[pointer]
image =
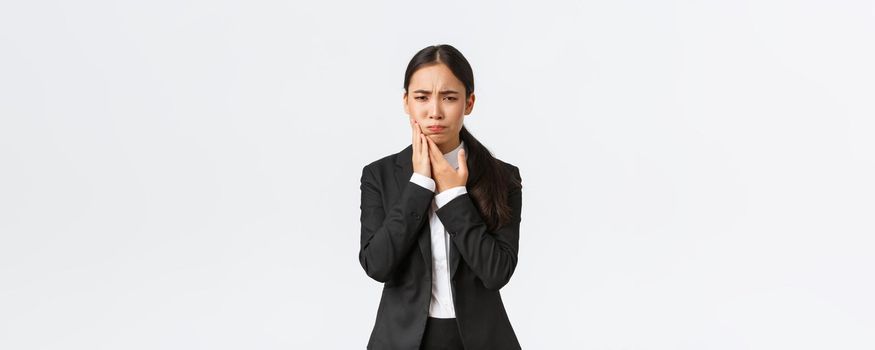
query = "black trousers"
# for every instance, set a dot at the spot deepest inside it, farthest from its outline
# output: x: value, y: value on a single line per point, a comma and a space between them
x: 441, y: 334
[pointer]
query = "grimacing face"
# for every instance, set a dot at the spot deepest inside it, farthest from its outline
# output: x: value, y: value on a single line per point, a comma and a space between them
x: 435, y: 97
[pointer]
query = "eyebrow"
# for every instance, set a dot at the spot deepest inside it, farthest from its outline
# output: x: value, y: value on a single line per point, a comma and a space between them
x: 443, y: 92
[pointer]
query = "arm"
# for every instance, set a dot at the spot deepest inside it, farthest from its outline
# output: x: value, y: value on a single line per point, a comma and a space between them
x: 387, y: 236
x: 491, y: 255
x: 441, y: 198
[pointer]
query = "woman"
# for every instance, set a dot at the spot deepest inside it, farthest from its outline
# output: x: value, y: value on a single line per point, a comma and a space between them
x: 440, y: 220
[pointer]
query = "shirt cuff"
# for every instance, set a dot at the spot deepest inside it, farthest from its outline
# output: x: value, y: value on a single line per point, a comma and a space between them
x: 423, y: 181
x: 446, y: 196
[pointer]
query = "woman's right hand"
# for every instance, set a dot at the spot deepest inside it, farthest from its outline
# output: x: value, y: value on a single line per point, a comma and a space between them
x: 421, y: 162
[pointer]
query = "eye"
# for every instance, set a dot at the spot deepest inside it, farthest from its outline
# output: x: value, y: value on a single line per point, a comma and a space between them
x: 419, y: 97
x: 451, y: 98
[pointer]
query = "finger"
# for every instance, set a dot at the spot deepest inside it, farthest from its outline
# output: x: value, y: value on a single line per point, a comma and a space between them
x: 435, y: 152
x: 462, y: 156
x: 423, y: 149
x: 426, y: 152
x: 414, y: 138
x: 428, y: 145
x: 423, y: 146
x: 417, y: 137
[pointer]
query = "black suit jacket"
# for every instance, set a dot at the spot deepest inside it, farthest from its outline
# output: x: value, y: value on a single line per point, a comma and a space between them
x: 396, y: 250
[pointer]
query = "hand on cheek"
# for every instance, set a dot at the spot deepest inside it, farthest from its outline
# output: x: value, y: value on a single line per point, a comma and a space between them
x: 443, y: 173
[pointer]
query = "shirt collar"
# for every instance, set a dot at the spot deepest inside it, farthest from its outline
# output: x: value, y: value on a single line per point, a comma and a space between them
x: 453, y: 156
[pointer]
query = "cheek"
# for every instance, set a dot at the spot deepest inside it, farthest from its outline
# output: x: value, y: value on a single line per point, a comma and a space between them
x: 419, y: 112
x: 458, y: 108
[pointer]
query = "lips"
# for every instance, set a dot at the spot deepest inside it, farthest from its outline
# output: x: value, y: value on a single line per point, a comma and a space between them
x: 437, y: 128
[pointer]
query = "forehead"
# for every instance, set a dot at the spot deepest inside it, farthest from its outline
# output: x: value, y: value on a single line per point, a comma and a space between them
x: 437, y: 75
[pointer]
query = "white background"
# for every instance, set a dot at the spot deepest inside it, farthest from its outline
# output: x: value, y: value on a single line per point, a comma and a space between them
x: 185, y: 174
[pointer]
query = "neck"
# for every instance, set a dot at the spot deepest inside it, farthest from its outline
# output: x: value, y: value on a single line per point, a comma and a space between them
x: 448, y: 146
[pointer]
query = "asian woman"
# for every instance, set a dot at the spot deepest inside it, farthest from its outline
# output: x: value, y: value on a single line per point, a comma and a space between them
x: 440, y: 220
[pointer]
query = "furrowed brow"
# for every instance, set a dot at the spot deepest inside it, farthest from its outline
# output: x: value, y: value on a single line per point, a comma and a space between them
x: 443, y: 92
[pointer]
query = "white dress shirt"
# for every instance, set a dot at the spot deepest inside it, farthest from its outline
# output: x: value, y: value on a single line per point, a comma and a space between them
x: 441, y: 305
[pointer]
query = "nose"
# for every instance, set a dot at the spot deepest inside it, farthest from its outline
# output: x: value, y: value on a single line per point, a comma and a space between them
x: 435, y: 111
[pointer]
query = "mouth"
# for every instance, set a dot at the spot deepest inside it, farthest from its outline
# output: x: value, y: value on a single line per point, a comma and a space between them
x: 437, y: 128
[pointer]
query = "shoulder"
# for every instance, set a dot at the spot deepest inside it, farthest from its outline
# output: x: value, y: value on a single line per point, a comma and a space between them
x: 513, y: 169
x: 382, y: 162
x: 511, y: 172
x: 385, y: 163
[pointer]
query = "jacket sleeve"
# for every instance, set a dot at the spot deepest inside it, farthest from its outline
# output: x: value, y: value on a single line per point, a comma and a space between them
x: 389, y: 234
x: 491, y: 255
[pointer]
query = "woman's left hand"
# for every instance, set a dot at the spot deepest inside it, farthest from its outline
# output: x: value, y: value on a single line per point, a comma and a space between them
x: 443, y: 173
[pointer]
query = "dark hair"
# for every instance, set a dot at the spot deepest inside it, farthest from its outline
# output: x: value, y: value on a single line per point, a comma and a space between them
x: 489, y: 180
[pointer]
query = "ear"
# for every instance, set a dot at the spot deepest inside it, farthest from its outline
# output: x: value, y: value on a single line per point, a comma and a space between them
x: 406, y: 107
x: 469, y: 104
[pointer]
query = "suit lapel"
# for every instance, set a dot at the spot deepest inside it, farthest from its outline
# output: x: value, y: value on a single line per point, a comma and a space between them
x: 403, y: 172
x: 454, y: 260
